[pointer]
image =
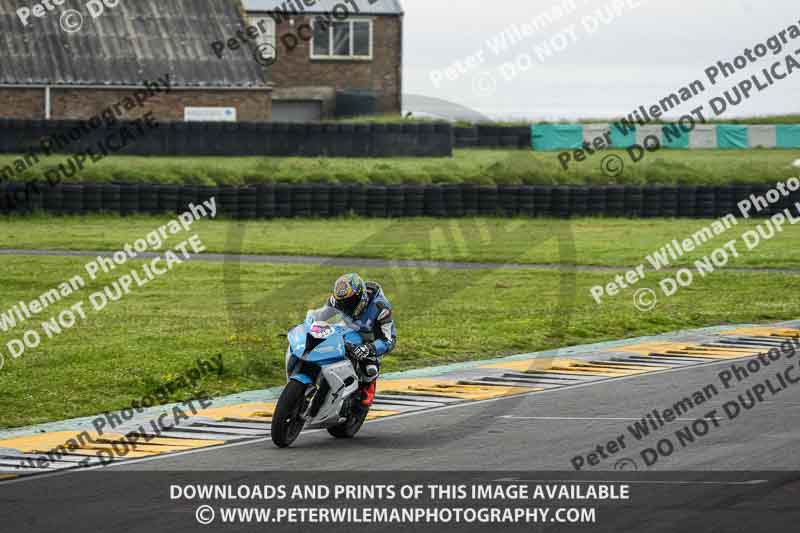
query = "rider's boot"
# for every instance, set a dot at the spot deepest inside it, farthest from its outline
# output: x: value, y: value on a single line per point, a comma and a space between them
x: 368, y: 393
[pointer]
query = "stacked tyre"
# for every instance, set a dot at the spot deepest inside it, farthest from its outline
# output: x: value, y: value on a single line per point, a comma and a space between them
x: 634, y: 198
x: 283, y: 200
x: 52, y: 200
x: 246, y: 203
x: 487, y: 200
x: 454, y: 200
x: 651, y: 202
x: 560, y: 200
x: 508, y: 200
x: 704, y: 207
x: 469, y: 199
x: 227, y: 202
x: 148, y: 199
x: 414, y: 201
x: 687, y: 201
x: 111, y: 198
x: 340, y: 201
x: 723, y: 201
x: 615, y: 201
x: 543, y: 201
x: 376, y: 201
x: 578, y: 202
x: 597, y: 201
x: 669, y: 202
x: 527, y: 206
x: 187, y: 195
x: 395, y: 201
x: 128, y: 199
x: 72, y: 199
x: 321, y: 200
x: 434, y: 201
x: 265, y: 200
x: 168, y: 196
x: 358, y: 199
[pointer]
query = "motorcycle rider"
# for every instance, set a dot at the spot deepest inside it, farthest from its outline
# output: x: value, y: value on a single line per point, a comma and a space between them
x: 366, y: 305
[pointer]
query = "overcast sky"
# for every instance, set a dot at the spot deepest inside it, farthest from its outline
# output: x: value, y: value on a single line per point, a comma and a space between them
x: 645, y: 51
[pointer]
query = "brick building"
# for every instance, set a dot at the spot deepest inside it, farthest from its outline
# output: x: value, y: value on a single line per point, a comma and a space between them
x: 326, y: 47
x: 51, y: 70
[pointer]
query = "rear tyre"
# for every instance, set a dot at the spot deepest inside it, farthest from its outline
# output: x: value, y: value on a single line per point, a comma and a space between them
x: 286, y: 421
x: 351, y: 426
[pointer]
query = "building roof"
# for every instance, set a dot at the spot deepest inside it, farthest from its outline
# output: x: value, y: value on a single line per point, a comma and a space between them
x: 365, y: 7
x: 134, y: 41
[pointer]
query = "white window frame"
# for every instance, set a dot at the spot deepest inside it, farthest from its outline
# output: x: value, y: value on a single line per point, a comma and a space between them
x: 350, y: 57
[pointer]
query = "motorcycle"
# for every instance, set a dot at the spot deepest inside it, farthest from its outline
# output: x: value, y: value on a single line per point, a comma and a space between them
x: 323, y: 379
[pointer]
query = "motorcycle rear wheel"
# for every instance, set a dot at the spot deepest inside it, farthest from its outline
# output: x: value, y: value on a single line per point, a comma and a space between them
x: 286, y: 421
x: 351, y: 426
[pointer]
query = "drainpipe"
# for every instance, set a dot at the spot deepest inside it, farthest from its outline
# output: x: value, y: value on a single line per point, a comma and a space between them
x: 47, y: 102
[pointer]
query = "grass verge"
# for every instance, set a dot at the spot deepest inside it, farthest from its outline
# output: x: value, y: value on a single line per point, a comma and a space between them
x: 611, y: 242
x: 466, y: 166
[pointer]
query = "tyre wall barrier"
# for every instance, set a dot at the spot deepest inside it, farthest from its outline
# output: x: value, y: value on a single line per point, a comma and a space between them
x: 283, y: 200
x: 486, y: 136
x: 45, y: 137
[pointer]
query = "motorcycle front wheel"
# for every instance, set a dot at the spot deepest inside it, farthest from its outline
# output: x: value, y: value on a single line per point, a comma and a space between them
x: 286, y: 421
x: 351, y: 426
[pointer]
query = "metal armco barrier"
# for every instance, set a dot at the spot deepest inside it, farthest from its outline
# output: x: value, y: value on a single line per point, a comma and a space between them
x: 283, y: 200
x: 233, y: 139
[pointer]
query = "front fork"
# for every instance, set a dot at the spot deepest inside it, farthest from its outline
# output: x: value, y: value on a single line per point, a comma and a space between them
x: 312, y: 392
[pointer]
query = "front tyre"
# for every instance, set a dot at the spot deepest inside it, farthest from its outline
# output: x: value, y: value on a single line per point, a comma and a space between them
x: 351, y: 426
x: 286, y: 421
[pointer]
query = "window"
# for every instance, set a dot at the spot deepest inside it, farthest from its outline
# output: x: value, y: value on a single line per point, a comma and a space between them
x: 351, y: 39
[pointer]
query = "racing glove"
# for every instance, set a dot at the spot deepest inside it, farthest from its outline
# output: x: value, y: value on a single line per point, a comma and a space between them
x: 365, y: 352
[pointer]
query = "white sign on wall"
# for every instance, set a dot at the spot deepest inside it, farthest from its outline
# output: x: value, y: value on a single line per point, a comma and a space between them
x: 209, y: 114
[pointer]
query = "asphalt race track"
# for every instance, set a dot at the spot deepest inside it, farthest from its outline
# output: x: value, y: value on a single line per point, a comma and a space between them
x: 365, y: 262
x: 533, y: 432
x: 718, y: 482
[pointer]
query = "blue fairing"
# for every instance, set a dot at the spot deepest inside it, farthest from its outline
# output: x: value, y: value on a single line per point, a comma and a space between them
x: 330, y: 351
x: 302, y: 378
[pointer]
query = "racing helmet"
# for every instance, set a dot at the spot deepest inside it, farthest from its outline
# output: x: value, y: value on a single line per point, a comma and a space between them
x: 349, y: 295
